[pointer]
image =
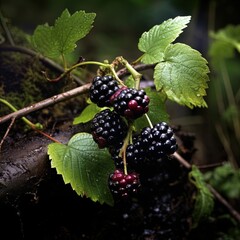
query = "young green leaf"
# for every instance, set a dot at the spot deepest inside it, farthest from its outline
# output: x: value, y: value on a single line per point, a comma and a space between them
x: 224, y: 43
x: 230, y: 35
x: 86, y: 167
x: 154, y: 42
x: 87, y: 114
x: 60, y: 39
x: 204, y: 199
x: 183, y: 75
x: 226, y: 179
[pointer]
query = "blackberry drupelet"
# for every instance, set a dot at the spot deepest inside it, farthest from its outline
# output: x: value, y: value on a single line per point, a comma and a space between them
x: 102, y: 89
x: 122, y: 185
x: 130, y: 102
x: 108, y: 128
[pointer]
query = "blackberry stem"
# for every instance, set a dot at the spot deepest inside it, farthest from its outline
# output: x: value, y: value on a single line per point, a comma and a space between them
x: 106, y: 65
x: 149, y: 121
x: 136, y: 75
x: 116, y: 76
x: 124, y: 147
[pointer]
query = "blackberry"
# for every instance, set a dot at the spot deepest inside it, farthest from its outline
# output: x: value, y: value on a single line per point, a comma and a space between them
x: 102, y: 89
x: 130, y: 102
x: 122, y: 185
x: 135, y: 156
x: 159, y: 141
x: 108, y: 128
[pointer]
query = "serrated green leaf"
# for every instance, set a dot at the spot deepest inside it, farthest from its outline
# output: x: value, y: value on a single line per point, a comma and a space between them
x: 154, y: 42
x: 226, y: 180
x: 86, y: 167
x: 44, y: 42
x: 229, y: 34
x: 225, y: 41
x: 183, y: 75
x: 157, y: 110
x: 220, y: 50
x: 204, y: 199
x: 87, y: 114
x: 53, y: 41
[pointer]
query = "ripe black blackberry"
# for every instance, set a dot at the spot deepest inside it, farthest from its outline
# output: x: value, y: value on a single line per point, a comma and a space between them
x: 108, y: 128
x: 159, y: 141
x: 130, y: 103
x: 102, y: 89
x: 150, y: 147
x: 122, y: 185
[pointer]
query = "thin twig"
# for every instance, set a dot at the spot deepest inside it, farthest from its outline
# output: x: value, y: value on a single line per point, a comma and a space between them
x: 6, y: 133
x: 6, y: 30
x: 63, y: 96
x: 43, y: 59
x: 223, y: 201
x: 223, y: 136
x: 45, y: 103
x: 182, y: 160
x: 233, y: 212
x: 215, y: 193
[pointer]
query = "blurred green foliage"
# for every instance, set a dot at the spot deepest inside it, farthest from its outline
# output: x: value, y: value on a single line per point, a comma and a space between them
x: 118, y: 25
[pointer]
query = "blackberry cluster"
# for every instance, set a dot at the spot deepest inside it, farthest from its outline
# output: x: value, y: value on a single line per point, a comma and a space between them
x: 108, y: 128
x: 161, y: 207
x: 102, y: 89
x: 149, y: 150
x: 123, y: 185
x: 131, y: 103
x: 128, y: 102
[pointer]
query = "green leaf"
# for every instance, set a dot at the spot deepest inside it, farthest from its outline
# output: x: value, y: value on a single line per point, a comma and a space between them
x: 183, y: 75
x: 204, y: 199
x: 53, y: 41
x: 86, y: 167
x: 154, y: 42
x: 229, y: 34
x: 87, y: 114
x: 226, y: 180
x: 224, y: 42
x: 130, y: 82
x: 220, y: 50
x: 157, y: 110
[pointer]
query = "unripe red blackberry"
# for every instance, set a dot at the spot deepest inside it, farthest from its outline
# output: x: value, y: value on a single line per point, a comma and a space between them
x: 130, y: 102
x: 122, y: 185
x: 108, y: 128
x: 102, y: 89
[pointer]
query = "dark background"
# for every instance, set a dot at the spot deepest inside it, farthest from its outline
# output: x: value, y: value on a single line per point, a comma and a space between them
x: 117, y: 28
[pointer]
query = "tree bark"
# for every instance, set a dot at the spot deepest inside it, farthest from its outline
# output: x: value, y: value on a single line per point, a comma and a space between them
x: 23, y: 164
